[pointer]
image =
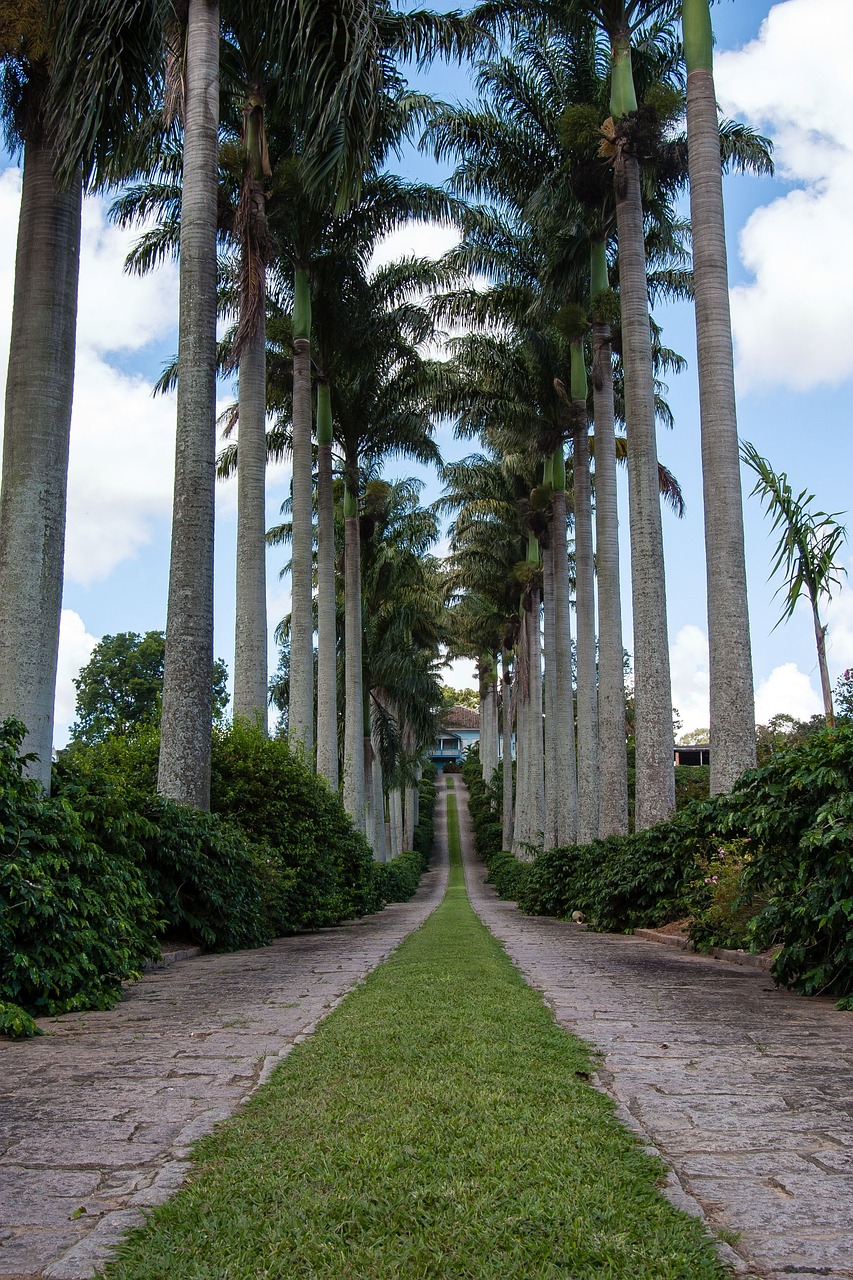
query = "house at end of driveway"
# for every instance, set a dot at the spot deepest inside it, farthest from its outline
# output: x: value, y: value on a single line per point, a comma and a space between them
x: 459, y: 729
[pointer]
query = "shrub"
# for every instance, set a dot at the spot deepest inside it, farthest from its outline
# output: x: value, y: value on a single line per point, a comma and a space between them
x: 326, y: 866
x: 74, y: 921
x: 797, y: 814
x: 203, y: 872
x: 398, y: 880
x: 424, y: 835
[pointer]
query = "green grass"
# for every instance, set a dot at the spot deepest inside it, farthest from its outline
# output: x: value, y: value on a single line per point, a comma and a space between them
x: 438, y: 1124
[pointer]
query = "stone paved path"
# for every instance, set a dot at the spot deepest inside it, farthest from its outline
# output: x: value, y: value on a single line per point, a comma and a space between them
x: 96, y: 1118
x: 745, y: 1090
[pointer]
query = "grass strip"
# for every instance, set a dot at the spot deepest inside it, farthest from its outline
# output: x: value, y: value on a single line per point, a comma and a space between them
x: 438, y: 1124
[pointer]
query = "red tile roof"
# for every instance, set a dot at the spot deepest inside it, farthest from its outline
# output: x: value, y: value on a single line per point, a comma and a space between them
x: 460, y: 718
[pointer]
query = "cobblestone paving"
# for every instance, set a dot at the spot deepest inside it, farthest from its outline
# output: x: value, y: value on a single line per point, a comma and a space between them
x: 97, y: 1117
x: 745, y: 1090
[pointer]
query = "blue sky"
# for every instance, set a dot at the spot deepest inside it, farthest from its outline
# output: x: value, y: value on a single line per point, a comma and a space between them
x: 792, y: 292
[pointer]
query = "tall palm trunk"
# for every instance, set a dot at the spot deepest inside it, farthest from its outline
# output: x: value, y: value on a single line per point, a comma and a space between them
x: 655, y: 776
x: 250, y: 639
x: 39, y: 389
x: 551, y: 727
x: 327, y: 676
x: 378, y: 838
x: 732, y: 697
x: 488, y: 736
x: 395, y: 806
x: 613, y: 759
x: 507, y: 705
x: 536, y: 754
x: 587, y: 703
x: 186, y: 723
x: 300, y: 713
x: 354, y: 737
x: 567, y: 781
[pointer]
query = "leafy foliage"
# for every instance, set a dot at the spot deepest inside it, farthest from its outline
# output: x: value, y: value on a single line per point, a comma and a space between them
x: 74, y: 921
x: 259, y: 784
x: 120, y: 688
x: 769, y: 864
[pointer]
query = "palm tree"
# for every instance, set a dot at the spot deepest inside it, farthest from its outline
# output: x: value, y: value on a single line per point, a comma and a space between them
x: 806, y: 553
x: 66, y: 137
x: 185, y: 727
x: 732, y: 699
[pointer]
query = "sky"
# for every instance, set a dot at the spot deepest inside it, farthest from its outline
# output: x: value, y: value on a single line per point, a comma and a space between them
x: 780, y: 68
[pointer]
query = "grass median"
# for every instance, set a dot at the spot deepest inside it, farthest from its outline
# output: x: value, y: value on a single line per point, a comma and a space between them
x: 438, y: 1124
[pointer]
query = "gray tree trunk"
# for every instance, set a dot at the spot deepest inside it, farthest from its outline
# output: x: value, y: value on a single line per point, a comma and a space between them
x: 300, y: 716
x: 551, y: 728
x: 409, y: 816
x: 379, y: 841
x: 354, y: 738
x: 250, y: 639
x: 587, y: 698
x: 613, y: 759
x: 186, y: 722
x: 395, y: 807
x: 327, y: 674
x: 655, y: 776
x: 536, y: 745
x: 507, y: 706
x: 730, y: 655
x: 39, y: 392
x: 567, y: 782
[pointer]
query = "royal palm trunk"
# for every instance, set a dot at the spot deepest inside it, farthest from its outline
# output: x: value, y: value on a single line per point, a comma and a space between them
x: 613, y: 759
x: 354, y: 739
x: 507, y: 708
x: 730, y: 656
x: 186, y: 723
x: 564, y: 718
x: 655, y: 776
x: 550, y: 729
x: 327, y: 676
x: 300, y: 713
x: 250, y: 639
x: 39, y: 391
x: 587, y: 699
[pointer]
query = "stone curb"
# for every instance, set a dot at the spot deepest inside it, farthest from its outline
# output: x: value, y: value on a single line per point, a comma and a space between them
x: 171, y: 957
x: 762, y: 963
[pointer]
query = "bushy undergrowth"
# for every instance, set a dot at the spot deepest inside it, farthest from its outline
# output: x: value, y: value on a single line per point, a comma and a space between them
x: 770, y: 864
x: 398, y: 880
x: 75, y: 922
x: 92, y: 877
x: 328, y: 867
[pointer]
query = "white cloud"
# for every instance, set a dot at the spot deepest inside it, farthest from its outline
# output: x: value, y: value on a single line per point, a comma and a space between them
x: 786, y: 690
x: 792, y: 324
x: 688, y: 660
x: 460, y: 673
x: 415, y: 239
x: 75, y: 650
x: 122, y: 439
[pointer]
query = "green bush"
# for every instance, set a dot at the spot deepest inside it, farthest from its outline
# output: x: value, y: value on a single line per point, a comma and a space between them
x: 203, y: 872
x: 326, y: 873
x: 797, y: 815
x: 398, y: 880
x: 424, y: 836
x: 74, y: 922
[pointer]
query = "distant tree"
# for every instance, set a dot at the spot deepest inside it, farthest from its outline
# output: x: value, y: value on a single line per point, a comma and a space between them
x: 783, y: 731
x: 844, y: 695
x: 460, y: 697
x: 695, y: 738
x: 120, y: 689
